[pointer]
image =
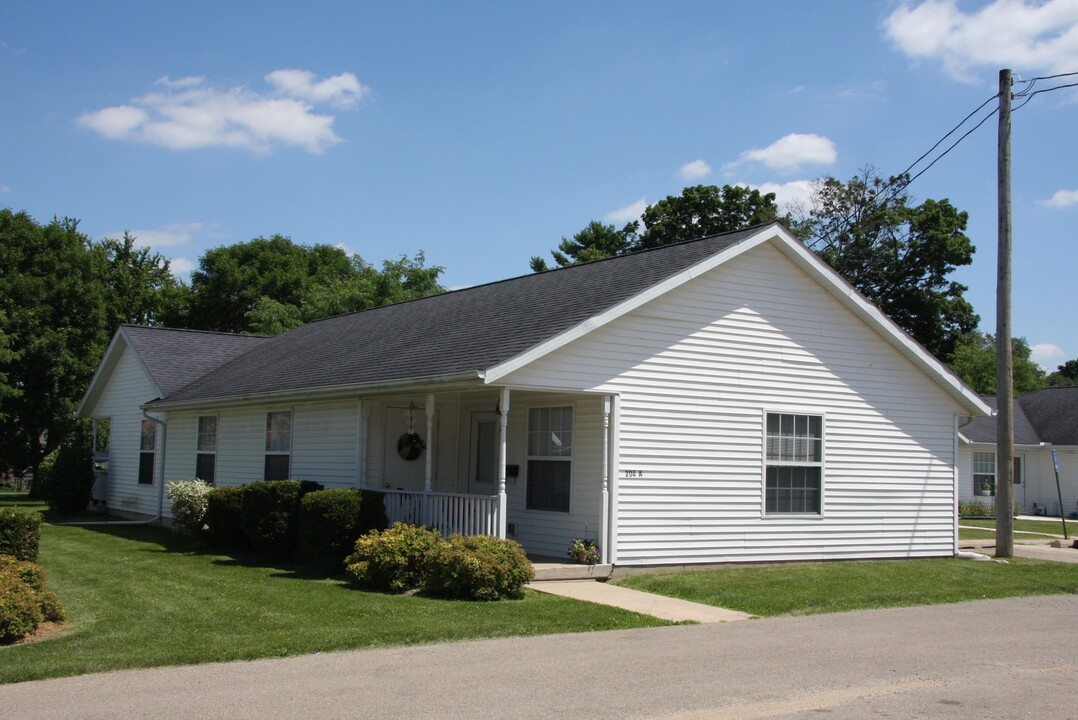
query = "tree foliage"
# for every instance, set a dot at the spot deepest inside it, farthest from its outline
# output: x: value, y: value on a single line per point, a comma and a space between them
x: 699, y: 211
x: 899, y: 255
x: 1065, y: 375
x: 974, y: 360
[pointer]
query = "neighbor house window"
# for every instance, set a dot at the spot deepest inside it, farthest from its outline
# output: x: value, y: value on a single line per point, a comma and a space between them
x: 550, y: 450
x: 794, y: 474
x: 147, y: 445
x: 984, y: 473
x: 278, y: 445
x: 206, y: 462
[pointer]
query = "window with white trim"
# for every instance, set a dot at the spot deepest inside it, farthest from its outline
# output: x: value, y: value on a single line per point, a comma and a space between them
x: 984, y: 473
x: 794, y: 464
x: 550, y: 461
x: 278, y: 445
x: 147, y: 447
x: 206, y: 460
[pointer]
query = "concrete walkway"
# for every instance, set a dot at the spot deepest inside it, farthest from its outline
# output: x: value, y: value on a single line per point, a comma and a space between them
x: 665, y: 608
x: 1037, y: 550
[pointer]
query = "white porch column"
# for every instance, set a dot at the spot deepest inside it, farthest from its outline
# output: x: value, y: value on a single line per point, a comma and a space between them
x: 611, y: 537
x: 428, y: 468
x: 361, y: 443
x: 604, y: 521
x: 503, y: 424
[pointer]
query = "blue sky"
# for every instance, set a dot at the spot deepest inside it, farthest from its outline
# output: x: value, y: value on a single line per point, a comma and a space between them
x: 481, y: 133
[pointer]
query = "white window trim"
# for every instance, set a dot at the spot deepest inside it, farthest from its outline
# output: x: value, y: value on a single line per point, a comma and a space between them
x: 216, y: 438
x: 995, y: 472
x: 291, y: 438
x: 571, y: 459
x: 764, y: 463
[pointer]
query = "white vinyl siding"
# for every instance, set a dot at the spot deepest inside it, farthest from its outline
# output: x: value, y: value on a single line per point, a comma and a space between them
x: 697, y: 368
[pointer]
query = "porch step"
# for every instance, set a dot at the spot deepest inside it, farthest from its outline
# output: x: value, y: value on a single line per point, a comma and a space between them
x: 546, y: 571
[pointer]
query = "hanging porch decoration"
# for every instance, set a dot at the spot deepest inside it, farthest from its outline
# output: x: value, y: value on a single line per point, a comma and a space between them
x: 410, y: 446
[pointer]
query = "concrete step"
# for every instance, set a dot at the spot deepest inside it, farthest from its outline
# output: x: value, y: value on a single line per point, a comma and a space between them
x: 547, y: 571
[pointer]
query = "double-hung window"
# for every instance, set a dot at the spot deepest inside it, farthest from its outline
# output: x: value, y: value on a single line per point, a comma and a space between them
x: 206, y: 462
x: 147, y: 447
x: 794, y: 464
x: 550, y: 454
x: 278, y: 445
x: 984, y: 473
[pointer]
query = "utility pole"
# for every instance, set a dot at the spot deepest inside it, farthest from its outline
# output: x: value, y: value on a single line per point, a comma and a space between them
x: 1004, y: 353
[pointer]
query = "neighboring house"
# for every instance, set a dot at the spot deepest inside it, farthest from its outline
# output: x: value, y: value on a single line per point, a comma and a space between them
x: 726, y: 399
x: 1045, y: 420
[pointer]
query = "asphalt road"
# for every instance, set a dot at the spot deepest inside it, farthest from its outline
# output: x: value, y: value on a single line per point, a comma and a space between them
x: 944, y: 661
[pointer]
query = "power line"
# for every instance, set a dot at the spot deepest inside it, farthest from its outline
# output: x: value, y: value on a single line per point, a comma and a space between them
x: 1030, y: 95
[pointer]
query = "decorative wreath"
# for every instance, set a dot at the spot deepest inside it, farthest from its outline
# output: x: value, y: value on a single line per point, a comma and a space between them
x: 410, y: 446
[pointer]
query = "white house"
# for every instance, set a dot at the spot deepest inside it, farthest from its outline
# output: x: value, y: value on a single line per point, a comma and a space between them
x: 1044, y: 421
x: 725, y: 399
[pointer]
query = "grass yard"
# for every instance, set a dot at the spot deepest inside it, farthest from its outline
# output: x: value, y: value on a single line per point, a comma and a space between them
x: 1030, y: 529
x: 811, y: 588
x: 143, y: 596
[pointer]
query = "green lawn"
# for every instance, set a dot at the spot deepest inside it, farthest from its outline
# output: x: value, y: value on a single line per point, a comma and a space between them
x: 810, y: 588
x: 143, y: 596
x: 1031, y: 529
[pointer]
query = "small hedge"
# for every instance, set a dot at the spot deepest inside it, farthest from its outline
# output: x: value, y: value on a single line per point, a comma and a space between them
x: 477, y: 568
x: 373, y: 511
x: 392, y: 560
x: 224, y: 516
x: 270, y: 516
x: 20, y: 533
x: 329, y: 523
x: 24, y: 601
x: 187, y: 500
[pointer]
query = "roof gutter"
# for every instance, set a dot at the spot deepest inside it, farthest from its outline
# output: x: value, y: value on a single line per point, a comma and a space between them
x: 469, y: 377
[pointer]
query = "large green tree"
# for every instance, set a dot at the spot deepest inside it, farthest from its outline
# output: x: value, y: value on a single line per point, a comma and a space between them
x: 267, y: 286
x: 898, y: 254
x: 974, y: 360
x: 1065, y: 375
x: 595, y: 242
x: 138, y: 283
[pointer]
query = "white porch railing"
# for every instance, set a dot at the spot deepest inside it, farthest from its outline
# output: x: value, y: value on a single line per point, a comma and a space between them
x: 447, y: 513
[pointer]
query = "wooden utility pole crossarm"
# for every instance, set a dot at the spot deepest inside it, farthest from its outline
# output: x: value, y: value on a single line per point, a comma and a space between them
x: 1004, y: 354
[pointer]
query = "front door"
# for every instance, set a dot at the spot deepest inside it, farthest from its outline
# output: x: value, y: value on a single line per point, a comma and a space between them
x: 405, y: 461
x: 483, y: 456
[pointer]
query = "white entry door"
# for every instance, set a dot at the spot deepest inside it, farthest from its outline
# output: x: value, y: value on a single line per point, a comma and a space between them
x: 399, y: 473
x: 483, y: 454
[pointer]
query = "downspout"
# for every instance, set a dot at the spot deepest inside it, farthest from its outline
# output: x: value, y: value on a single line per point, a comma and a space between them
x: 160, y: 487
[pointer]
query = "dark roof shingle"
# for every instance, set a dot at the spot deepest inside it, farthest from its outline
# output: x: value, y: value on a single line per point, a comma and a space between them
x: 1049, y: 415
x: 175, y: 358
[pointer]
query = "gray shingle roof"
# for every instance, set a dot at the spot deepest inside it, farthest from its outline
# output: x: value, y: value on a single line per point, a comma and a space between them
x: 460, y: 332
x: 1049, y: 415
x: 175, y: 358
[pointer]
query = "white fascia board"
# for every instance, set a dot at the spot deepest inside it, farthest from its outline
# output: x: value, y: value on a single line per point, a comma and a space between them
x: 515, y: 363
x: 854, y: 301
x: 104, y: 371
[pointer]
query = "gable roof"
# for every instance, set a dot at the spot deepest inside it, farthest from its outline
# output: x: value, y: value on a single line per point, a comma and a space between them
x: 171, y: 358
x: 1049, y: 416
x: 481, y: 334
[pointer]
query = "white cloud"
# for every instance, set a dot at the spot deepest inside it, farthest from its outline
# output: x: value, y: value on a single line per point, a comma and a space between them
x: 1047, y: 355
x: 167, y: 235
x: 5, y: 188
x: 695, y: 170
x: 181, y: 266
x: 1061, y: 199
x: 789, y: 153
x: 789, y: 196
x: 1024, y: 35
x: 187, y: 114
x: 628, y: 213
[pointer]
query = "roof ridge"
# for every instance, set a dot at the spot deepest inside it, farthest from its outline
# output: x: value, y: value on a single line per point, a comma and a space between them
x: 194, y: 330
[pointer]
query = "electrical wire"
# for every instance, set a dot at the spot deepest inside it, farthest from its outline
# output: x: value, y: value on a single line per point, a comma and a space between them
x: 1032, y: 95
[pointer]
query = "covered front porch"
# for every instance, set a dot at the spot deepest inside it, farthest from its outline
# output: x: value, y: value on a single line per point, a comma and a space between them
x: 537, y: 467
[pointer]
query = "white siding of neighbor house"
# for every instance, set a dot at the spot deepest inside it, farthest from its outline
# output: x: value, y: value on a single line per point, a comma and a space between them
x: 696, y: 370
x: 128, y: 387
x: 1039, y: 496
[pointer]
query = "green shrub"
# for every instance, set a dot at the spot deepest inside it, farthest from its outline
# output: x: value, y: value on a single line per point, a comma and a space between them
x: 270, y: 516
x: 39, y: 490
x: 187, y: 498
x: 71, y: 480
x: 329, y: 523
x: 224, y: 516
x: 20, y: 533
x: 24, y: 601
x: 975, y: 509
x: 477, y: 568
x: 392, y: 559
x: 307, y: 487
x: 373, y: 511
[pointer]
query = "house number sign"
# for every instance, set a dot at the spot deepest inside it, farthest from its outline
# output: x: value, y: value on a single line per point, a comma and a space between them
x: 634, y: 473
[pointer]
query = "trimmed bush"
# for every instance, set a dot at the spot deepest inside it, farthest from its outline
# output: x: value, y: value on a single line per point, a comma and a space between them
x: 477, y: 568
x: 329, y: 523
x: 39, y: 490
x: 24, y: 601
x: 20, y: 533
x: 392, y: 559
x: 373, y: 511
x: 187, y: 498
x: 224, y: 516
x: 270, y: 516
x: 71, y: 481
x: 306, y: 487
